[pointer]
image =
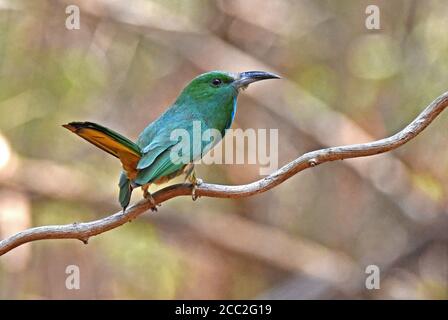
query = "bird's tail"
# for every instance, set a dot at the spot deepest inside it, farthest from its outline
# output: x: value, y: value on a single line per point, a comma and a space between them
x: 115, y: 144
x: 125, y: 191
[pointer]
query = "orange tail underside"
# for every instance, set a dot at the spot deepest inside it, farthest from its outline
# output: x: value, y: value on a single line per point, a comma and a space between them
x: 128, y: 157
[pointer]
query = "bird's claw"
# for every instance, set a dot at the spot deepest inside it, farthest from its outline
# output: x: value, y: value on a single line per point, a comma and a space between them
x: 191, y: 177
x: 147, y: 195
x: 196, y: 182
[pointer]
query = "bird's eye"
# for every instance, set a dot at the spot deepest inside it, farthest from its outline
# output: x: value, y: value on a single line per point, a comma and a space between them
x: 216, y: 82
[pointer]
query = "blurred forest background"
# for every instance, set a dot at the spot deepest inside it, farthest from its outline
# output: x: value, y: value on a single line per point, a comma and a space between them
x: 310, y: 237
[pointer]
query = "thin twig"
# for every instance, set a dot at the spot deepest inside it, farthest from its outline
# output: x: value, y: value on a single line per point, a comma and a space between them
x: 83, y: 231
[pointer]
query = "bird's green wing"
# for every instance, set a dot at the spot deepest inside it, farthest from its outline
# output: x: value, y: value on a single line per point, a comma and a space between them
x: 162, y: 166
x: 156, y: 144
x: 150, y: 156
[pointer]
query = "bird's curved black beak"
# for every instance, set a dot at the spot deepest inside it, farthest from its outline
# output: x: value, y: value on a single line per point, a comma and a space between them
x: 243, y: 79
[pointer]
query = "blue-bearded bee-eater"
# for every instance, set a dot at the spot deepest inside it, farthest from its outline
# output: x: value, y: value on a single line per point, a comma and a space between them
x: 210, y: 98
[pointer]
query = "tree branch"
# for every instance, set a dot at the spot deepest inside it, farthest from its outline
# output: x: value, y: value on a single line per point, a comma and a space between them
x: 83, y: 231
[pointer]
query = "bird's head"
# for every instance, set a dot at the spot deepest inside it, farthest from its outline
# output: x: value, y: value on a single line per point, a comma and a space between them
x: 220, y: 85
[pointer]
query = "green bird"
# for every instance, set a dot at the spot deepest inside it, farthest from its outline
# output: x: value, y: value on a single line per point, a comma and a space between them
x: 209, y: 100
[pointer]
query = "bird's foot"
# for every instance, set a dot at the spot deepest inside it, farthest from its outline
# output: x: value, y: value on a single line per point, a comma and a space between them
x: 147, y: 195
x: 195, y: 182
